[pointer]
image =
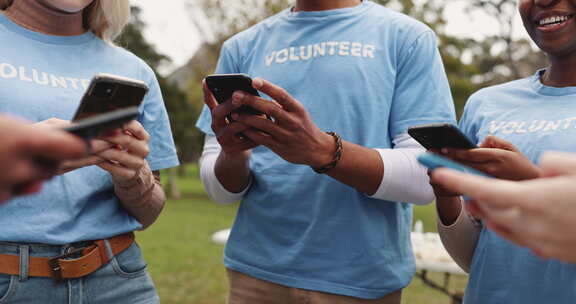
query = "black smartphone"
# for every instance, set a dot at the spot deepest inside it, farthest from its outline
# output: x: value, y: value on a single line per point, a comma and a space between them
x: 440, y: 135
x: 107, y: 93
x: 94, y: 126
x: 223, y: 86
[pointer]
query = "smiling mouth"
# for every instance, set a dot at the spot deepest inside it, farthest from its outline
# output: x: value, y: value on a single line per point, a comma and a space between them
x: 552, y: 21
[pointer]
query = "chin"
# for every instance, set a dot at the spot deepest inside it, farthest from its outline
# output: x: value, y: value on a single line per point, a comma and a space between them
x: 69, y: 6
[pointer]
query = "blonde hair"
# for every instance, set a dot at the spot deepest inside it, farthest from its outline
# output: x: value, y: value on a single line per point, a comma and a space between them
x: 105, y: 18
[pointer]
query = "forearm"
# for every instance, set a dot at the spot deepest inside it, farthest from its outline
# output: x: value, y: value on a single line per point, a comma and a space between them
x: 216, y: 190
x: 359, y: 167
x: 143, y: 197
x: 397, y: 172
x: 233, y: 171
x: 458, y: 232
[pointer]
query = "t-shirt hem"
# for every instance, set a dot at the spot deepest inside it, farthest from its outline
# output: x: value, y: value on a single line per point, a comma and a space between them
x: 164, y: 163
x: 327, y: 287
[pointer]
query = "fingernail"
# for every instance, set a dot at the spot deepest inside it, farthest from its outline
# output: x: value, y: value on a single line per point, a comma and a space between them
x: 444, y: 151
x: 235, y: 116
x: 238, y: 95
x: 257, y: 82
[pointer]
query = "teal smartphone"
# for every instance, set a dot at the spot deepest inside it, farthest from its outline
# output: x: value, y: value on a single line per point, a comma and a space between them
x: 433, y: 161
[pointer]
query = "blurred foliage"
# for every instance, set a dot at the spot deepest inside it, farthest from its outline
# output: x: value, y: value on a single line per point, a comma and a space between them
x: 470, y: 65
x: 182, y: 113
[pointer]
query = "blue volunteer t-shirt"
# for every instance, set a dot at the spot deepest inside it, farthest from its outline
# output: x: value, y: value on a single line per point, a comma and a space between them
x: 44, y: 76
x: 367, y: 73
x: 535, y: 118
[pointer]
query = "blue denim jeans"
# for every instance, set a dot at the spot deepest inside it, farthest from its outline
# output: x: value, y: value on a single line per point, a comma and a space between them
x: 123, y: 280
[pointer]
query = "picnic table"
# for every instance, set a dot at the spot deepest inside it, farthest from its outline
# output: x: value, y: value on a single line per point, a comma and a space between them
x: 429, y: 253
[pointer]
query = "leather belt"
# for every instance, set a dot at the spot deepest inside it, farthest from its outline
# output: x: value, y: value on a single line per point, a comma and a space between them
x: 60, y: 268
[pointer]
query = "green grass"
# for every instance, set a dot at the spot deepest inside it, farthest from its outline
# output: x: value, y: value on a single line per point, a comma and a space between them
x: 187, y: 266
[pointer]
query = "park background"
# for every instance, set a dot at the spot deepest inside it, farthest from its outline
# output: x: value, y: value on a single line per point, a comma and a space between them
x: 481, y: 42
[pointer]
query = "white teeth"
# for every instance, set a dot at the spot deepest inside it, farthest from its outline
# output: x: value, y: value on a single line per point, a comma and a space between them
x: 553, y: 20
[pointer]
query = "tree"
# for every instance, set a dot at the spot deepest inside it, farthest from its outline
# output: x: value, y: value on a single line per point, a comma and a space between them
x: 180, y: 111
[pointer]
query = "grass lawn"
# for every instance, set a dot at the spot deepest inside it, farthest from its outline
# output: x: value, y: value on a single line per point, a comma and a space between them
x: 187, y: 266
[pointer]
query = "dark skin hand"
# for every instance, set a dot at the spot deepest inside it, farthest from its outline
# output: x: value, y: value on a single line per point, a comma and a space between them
x: 495, y: 157
x: 294, y: 136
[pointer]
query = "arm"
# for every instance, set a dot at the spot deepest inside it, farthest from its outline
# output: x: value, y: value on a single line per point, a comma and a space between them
x: 216, y: 190
x: 402, y: 166
x: 143, y: 196
x: 135, y: 185
x: 458, y: 232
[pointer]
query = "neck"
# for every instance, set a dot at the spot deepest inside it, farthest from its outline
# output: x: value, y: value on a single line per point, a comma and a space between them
x: 322, y: 5
x: 561, y: 73
x: 39, y: 17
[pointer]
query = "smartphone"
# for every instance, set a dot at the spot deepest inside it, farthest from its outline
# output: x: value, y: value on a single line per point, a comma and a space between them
x: 223, y: 86
x: 94, y: 126
x: 440, y: 135
x: 434, y: 161
x: 107, y: 93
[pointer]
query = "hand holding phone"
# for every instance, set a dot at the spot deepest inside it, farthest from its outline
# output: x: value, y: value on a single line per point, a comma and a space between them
x: 223, y: 86
x: 440, y: 135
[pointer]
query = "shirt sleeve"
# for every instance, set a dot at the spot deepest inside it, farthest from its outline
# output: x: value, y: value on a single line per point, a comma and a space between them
x: 213, y: 187
x: 460, y: 238
x: 422, y: 93
x: 404, y: 180
x: 154, y: 118
x: 227, y: 64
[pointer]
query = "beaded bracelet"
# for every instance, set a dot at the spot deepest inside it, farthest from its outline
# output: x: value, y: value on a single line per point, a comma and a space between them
x: 337, y: 155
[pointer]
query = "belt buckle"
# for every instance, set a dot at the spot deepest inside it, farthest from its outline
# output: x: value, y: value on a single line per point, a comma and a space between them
x: 55, y: 266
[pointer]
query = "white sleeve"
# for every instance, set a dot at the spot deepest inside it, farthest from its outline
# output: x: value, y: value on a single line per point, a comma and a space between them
x: 404, y: 180
x: 213, y: 187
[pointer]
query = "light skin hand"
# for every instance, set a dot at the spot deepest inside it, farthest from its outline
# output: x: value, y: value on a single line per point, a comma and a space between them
x: 127, y: 157
x: 96, y: 146
x: 29, y: 155
x: 538, y: 214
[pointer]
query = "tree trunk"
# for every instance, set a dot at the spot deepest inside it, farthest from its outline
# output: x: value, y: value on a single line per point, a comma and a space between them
x: 172, y: 185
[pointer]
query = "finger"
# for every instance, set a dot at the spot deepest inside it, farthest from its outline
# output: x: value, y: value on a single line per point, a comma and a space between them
x: 473, y: 209
x: 272, y: 109
x: 480, y: 155
x: 134, y: 146
x: 278, y: 94
x: 263, y: 124
x: 123, y: 158
x: 117, y: 171
x: 261, y: 138
x: 137, y: 130
x: 56, y: 145
x: 558, y: 163
x: 484, y: 190
x: 27, y: 188
x: 492, y: 141
x: 221, y: 113
x: 209, y: 99
x: 506, y: 233
x: 99, y: 145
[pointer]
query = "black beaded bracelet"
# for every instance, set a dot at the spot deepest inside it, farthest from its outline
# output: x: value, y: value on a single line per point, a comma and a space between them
x: 337, y: 155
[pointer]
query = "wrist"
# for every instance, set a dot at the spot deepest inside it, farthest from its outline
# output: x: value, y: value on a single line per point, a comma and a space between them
x: 329, y: 161
x: 143, y: 176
